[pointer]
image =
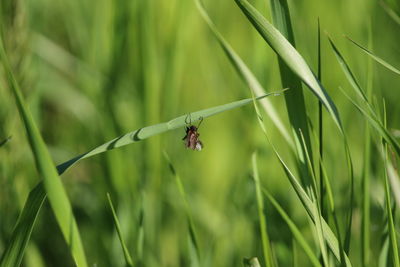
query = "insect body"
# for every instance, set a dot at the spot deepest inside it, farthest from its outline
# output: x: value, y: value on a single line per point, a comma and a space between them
x: 192, y: 137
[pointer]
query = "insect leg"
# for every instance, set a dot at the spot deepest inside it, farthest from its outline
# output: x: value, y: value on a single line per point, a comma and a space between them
x: 201, y: 120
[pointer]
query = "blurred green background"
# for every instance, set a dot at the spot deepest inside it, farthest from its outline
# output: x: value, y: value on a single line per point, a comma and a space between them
x: 93, y: 70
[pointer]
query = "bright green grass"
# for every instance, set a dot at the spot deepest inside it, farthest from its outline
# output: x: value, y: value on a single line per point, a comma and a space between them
x: 323, y: 189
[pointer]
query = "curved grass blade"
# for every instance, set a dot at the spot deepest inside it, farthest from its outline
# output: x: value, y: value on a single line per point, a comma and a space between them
x: 263, y: 221
x: 13, y: 254
x: 293, y: 228
x: 25, y: 224
x: 392, y: 230
x: 127, y: 256
x: 374, y: 57
x: 375, y: 123
x: 349, y: 74
x: 181, y: 189
x: 52, y: 184
x: 307, y: 203
x: 371, y: 117
x: 146, y: 132
x: 246, y: 74
x: 317, y: 208
x: 392, y: 14
x: 295, y: 103
x: 290, y: 56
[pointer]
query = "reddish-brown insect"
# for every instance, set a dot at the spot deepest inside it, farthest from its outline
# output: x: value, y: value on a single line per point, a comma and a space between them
x: 192, y: 137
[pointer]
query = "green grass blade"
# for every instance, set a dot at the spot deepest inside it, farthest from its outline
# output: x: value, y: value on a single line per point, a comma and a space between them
x: 57, y: 195
x: 127, y: 256
x: 365, y: 205
x: 263, y: 221
x: 349, y: 74
x: 392, y: 14
x: 320, y: 126
x: 350, y: 168
x: 146, y: 132
x: 290, y: 56
x: 316, y: 207
x: 181, y: 189
x: 25, y: 225
x: 375, y: 57
x: 246, y: 74
x: 392, y: 230
x: 293, y: 228
x: 308, y: 205
x: 140, y: 237
x: 13, y: 254
x: 253, y: 262
x: 377, y: 125
x: 294, y: 99
x: 329, y: 236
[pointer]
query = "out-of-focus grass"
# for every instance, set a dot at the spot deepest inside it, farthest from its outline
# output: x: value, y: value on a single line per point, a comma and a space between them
x: 93, y: 70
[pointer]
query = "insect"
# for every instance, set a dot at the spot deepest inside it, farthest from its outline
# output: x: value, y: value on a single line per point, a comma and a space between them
x: 192, y: 136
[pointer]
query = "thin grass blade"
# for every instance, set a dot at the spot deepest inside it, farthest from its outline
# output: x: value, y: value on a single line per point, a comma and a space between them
x: 263, y: 221
x: 127, y: 256
x: 377, y: 125
x: 316, y: 207
x: 293, y: 228
x: 290, y: 56
x: 349, y: 74
x: 181, y: 189
x: 294, y: 99
x: 392, y: 230
x: 329, y: 236
x: 21, y: 234
x: 392, y: 14
x: 246, y: 74
x: 375, y: 57
x: 52, y: 184
x: 365, y: 205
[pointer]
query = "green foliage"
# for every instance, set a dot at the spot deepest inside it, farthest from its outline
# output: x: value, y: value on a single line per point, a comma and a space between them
x: 84, y: 72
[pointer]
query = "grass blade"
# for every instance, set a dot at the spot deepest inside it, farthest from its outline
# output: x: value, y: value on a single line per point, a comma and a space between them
x: 293, y: 228
x: 13, y: 254
x: 25, y: 224
x: 52, y: 184
x: 290, y: 56
x: 308, y: 205
x: 392, y: 14
x: 294, y: 99
x: 365, y: 205
x: 375, y: 123
x: 181, y: 189
x: 317, y: 208
x: 246, y: 74
x: 375, y: 57
x: 329, y: 236
x: 146, y: 132
x: 320, y: 126
x: 263, y: 222
x: 349, y: 74
x: 392, y: 229
x: 127, y: 256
